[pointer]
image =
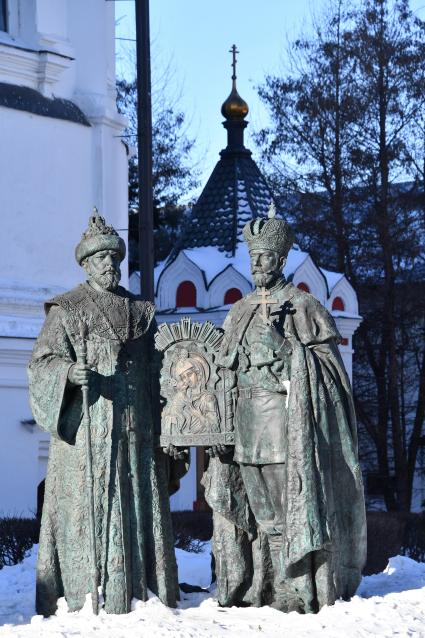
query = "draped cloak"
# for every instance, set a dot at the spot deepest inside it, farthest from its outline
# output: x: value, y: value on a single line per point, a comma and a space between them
x: 324, y: 532
x: 134, y: 540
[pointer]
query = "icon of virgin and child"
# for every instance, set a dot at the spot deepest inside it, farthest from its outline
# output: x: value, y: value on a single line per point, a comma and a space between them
x: 193, y: 408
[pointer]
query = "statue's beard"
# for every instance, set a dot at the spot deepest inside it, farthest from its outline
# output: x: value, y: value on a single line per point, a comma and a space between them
x: 265, y: 279
x: 108, y: 280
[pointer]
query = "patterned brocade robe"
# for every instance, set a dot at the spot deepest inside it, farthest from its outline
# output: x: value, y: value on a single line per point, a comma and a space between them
x: 132, y: 519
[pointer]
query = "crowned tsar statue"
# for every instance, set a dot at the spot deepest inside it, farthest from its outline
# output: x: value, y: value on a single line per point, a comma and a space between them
x: 294, y: 471
x: 128, y: 518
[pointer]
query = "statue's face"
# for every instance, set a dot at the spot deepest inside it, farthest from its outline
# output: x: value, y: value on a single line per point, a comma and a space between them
x: 266, y: 266
x: 189, y: 378
x: 103, y: 269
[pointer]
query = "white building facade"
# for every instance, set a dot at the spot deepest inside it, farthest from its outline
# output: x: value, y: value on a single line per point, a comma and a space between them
x: 61, y: 154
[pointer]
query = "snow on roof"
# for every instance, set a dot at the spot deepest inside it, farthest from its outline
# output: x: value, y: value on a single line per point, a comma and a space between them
x: 332, y: 278
x: 343, y: 314
x: 213, y: 261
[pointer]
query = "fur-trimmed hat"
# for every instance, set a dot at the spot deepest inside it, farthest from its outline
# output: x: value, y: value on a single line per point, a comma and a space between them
x: 269, y: 234
x: 98, y: 236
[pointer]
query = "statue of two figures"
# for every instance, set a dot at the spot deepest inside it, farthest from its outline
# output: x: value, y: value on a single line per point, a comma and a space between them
x: 267, y: 395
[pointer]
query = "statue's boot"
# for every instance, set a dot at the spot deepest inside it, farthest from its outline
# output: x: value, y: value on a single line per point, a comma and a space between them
x: 285, y: 599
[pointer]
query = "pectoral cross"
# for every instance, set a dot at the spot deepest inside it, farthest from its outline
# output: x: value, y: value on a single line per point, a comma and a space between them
x: 264, y: 299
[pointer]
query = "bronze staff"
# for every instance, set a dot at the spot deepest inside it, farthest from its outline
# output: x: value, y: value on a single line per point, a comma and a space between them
x: 89, y: 473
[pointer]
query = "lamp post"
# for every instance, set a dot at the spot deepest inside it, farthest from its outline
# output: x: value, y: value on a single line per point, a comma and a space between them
x: 144, y: 144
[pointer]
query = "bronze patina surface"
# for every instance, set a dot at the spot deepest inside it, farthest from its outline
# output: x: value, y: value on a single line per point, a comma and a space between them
x: 130, y: 474
x: 287, y: 499
x: 198, y: 395
x: 295, y: 444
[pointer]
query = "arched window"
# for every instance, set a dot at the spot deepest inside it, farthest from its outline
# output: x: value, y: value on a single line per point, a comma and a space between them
x: 186, y: 295
x: 338, y: 304
x: 303, y: 286
x: 232, y: 295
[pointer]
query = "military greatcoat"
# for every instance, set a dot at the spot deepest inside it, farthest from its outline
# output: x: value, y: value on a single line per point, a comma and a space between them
x: 313, y: 433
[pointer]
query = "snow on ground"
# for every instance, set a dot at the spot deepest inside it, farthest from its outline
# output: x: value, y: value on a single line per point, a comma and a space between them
x: 388, y: 604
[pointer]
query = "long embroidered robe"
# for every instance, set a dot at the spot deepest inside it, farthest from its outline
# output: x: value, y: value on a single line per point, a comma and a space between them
x: 134, y: 540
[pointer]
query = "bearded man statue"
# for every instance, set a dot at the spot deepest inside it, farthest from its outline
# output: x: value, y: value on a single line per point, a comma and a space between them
x: 295, y: 458
x: 132, y: 525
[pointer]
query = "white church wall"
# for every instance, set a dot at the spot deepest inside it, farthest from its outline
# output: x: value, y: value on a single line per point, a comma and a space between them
x: 184, y: 498
x: 345, y: 291
x: 53, y: 172
x: 92, y: 33
x: 347, y: 320
x: 46, y: 199
x: 38, y: 53
x: 182, y: 269
x: 347, y: 325
x: 61, y: 47
x: 229, y: 278
x: 20, y: 444
x: 309, y: 273
x: 38, y: 23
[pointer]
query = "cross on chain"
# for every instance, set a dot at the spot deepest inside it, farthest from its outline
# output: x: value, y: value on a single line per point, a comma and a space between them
x: 234, y: 51
x: 264, y: 299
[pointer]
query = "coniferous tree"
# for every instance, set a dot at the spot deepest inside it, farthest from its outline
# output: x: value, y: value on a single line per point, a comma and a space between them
x: 173, y: 174
x: 313, y: 111
x: 344, y: 134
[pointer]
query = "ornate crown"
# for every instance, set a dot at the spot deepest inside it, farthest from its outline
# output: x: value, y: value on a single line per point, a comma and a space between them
x: 269, y: 234
x: 98, y: 236
x: 97, y: 226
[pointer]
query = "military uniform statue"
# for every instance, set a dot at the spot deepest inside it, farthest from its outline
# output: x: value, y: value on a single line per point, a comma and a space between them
x: 106, y: 519
x: 295, y: 431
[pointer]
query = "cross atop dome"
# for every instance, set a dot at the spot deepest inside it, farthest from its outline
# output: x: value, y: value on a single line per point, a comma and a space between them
x: 234, y: 108
x: 236, y: 191
x: 234, y: 52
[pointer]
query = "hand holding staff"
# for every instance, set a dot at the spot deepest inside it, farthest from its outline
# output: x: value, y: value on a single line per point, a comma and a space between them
x: 89, y: 472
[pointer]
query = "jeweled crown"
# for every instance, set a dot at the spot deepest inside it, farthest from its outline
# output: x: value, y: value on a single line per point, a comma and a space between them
x: 269, y: 234
x: 98, y: 236
x: 97, y: 226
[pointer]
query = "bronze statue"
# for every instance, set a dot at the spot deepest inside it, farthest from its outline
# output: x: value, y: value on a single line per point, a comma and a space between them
x: 295, y: 432
x: 106, y: 521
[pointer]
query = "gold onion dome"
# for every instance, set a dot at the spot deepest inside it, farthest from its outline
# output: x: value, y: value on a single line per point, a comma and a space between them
x: 234, y: 108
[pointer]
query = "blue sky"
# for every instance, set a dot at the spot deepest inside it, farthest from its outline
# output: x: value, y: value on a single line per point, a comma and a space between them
x: 193, y: 38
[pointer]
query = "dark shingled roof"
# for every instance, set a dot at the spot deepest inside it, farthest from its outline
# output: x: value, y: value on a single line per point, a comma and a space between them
x: 23, y: 98
x: 235, y: 193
